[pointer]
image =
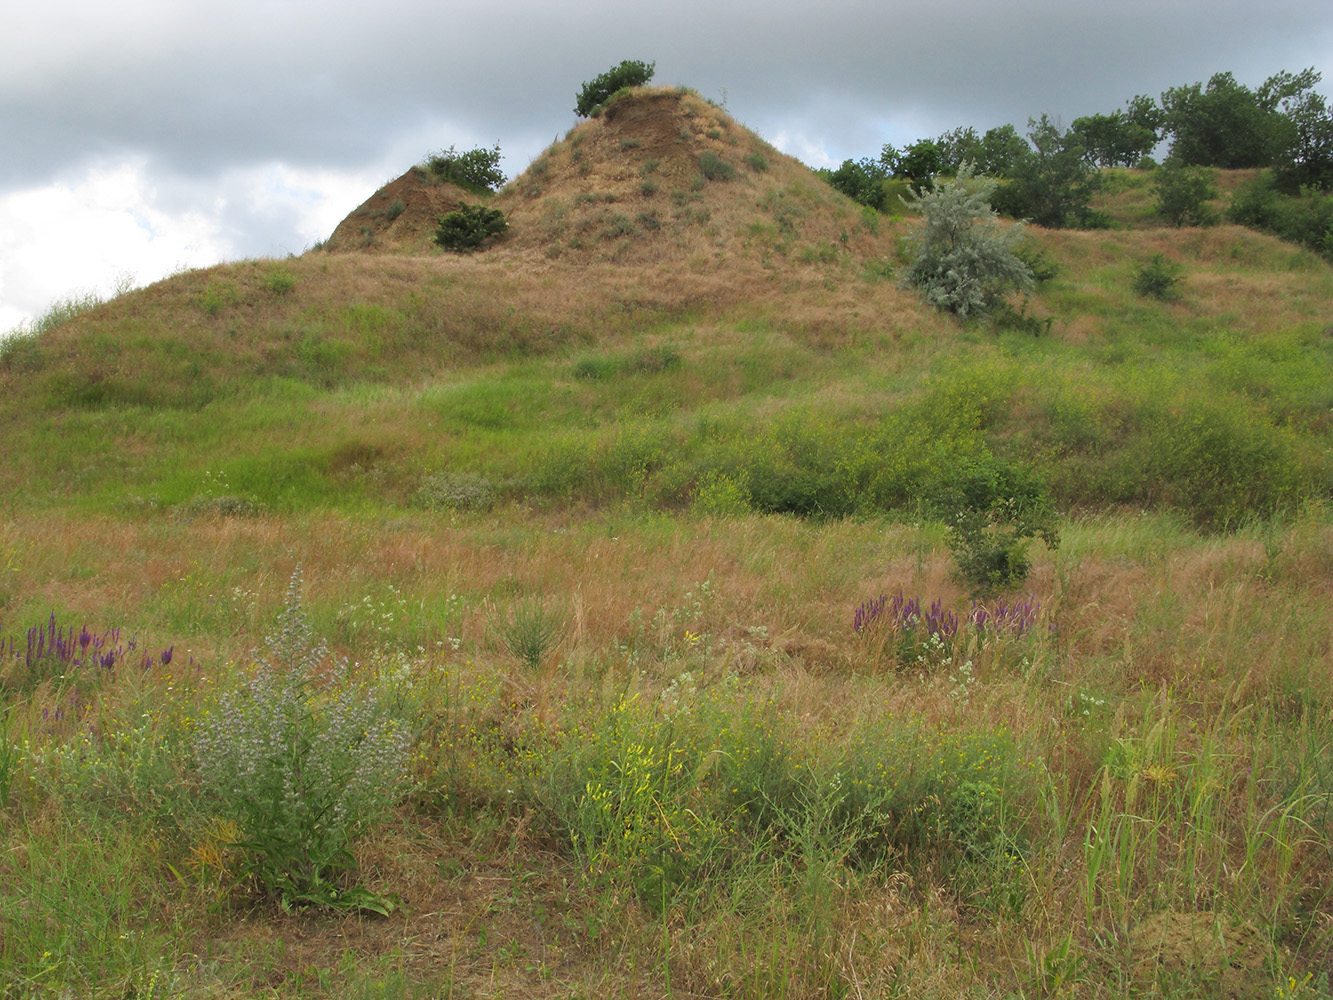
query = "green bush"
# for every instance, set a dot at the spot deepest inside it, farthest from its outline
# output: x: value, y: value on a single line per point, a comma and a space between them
x: 964, y: 261
x: 1050, y: 183
x: 992, y: 509
x: 861, y: 181
x: 1158, y: 278
x: 468, y: 227
x: 476, y: 170
x: 1306, y: 219
x: 714, y: 168
x: 1221, y: 463
x: 756, y: 161
x: 1183, y: 193
x: 595, y: 92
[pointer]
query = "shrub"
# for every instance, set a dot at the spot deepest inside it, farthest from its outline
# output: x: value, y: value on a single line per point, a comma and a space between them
x: 468, y: 227
x: 964, y: 261
x: 395, y: 209
x: 755, y: 161
x: 714, y: 168
x: 1183, y: 193
x: 595, y: 92
x: 862, y: 181
x: 476, y: 170
x: 992, y: 509
x: 1157, y: 278
x: 279, y: 281
x: 1306, y: 220
x: 302, y: 769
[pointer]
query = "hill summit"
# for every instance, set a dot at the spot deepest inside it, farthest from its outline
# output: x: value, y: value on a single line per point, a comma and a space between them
x: 660, y: 174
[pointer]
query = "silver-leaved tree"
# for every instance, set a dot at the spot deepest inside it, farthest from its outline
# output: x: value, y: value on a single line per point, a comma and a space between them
x: 963, y: 257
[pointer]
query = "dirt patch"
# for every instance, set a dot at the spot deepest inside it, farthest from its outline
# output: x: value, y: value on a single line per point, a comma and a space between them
x: 1200, y: 948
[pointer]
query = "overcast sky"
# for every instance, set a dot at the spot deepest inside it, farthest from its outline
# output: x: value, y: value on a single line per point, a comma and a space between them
x: 145, y: 136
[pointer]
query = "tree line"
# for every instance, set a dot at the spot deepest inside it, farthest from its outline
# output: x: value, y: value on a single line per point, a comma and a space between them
x: 1049, y: 176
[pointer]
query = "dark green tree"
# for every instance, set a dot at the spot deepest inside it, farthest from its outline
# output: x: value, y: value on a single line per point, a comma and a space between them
x: 1002, y: 148
x: 917, y: 163
x: 1304, y: 146
x: 1223, y: 124
x: 958, y: 146
x: 1052, y: 183
x: 860, y: 180
x: 595, y: 92
x: 476, y: 170
x: 1183, y: 193
x: 468, y: 227
x: 1113, y: 140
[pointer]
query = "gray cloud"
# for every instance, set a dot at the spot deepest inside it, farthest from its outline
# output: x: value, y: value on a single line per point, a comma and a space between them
x: 195, y: 91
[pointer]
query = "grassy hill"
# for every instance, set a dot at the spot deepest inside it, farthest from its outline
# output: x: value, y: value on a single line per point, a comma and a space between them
x: 593, y: 511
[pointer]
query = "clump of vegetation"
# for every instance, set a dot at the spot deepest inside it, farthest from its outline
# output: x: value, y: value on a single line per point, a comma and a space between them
x: 963, y: 260
x: 992, y: 509
x: 468, y: 227
x: 1158, y: 278
x: 596, y: 92
x: 1050, y: 182
x: 862, y: 181
x: 646, y: 361
x: 714, y: 168
x: 476, y: 170
x: 529, y: 630
x: 303, y: 768
x: 449, y: 491
x: 1184, y: 193
x: 1305, y: 218
x: 279, y: 281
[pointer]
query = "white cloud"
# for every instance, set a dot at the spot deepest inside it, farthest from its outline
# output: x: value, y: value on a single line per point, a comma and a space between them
x: 87, y: 236
x: 117, y: 224
x: 809, y: 151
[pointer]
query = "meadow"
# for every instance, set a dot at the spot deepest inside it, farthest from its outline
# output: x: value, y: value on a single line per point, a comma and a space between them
x: 424, y: 626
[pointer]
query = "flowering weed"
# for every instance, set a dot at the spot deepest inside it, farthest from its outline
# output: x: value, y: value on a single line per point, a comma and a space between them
x: 303, y: 768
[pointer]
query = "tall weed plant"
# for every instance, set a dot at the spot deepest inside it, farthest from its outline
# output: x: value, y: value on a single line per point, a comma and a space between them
x: 303, y: 767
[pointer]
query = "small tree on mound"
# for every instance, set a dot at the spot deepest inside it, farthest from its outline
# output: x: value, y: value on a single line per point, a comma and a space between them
x: 595, y: 92
x: 964, y: 260
x: 475, y: 170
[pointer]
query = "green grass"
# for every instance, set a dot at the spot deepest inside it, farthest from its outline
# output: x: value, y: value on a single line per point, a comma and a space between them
x: 701, y: 782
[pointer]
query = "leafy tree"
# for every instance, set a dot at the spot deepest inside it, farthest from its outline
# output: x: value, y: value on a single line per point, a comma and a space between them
x: 916, y: 163
x: 1306, y: 219
x: 862, y: 181
x: 1304, y: 147
x: 1183, y: 193
x: 1052, y: 183
x: 1113, y: 140
x: 958, y: 146
x: 964, y: 260
x: 1002, y: 148
x: 476, y: 170
x: 630, y: 73
x: 1224, y: 124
